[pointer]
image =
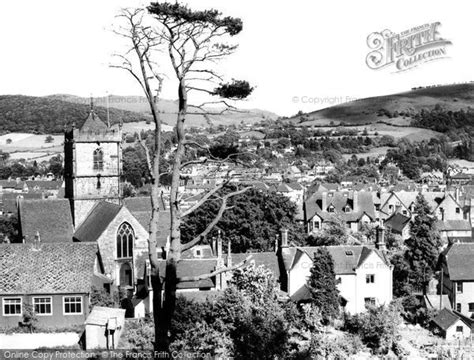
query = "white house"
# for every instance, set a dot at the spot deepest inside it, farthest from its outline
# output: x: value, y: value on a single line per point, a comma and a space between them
x: 363, y: 274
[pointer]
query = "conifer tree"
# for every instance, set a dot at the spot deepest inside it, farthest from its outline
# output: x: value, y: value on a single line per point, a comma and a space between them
x: 423, y: 245
x: 322, y: 284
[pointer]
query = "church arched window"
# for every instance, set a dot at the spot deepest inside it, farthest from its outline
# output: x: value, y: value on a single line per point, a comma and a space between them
x: 98, y: 158
x: 125, y: 238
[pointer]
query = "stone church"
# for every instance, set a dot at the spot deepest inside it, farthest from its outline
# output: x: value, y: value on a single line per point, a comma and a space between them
x: 94, y: 210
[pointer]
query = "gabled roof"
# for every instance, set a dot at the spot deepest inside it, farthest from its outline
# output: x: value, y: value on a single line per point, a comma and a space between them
x: 268, y: 259
x: 52, y: 219
x: 44, y: 184
x: 397, y: 222
x: 460, y: 261
x: 339, y: 200
x: 347, y: 258
x: 93, y: 124
x: 140, y: 207
x: 446, y: 318
x: 53, y: 269
x: 97, y: 221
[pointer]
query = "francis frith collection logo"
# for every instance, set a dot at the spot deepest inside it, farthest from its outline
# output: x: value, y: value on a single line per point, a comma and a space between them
x: 407, y: 49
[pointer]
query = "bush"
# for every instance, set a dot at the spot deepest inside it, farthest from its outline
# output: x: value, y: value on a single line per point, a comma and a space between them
x: 377, y: 327
x: 138, y: 335
x: 330, y: 347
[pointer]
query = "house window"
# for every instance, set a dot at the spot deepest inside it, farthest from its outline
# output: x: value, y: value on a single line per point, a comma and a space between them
x: 42, y: 305
x: 369, y: 301
x: 316, y: 224
x: 458, y: 210
x: 72, y: 305
x: 331, y: 209
x: 347, y: 209
x: 125, y: 238
x: 471, y: 307
x: 458, y: 307
x: 370, y: 278
x: 98, y: 185
x: 458, y: 328
x: 404, y: 212
x: 459, y: 287
x: 197, y: 253
x: 12, y: 307
x: 98, y: 158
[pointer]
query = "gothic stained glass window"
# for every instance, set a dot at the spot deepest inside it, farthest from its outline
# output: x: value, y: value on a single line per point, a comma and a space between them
x: 125, y: 238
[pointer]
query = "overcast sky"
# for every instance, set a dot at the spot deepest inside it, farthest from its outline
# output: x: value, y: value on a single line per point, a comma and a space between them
x: 300, y: 54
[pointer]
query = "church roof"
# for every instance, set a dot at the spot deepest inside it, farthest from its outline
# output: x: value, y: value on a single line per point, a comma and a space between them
x: 97, y: 221
x: 93, y: 123
x: 52, y: 219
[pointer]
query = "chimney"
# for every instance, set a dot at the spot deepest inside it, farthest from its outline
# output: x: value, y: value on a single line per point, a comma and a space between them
x: 380, y: 236
x: 284, y: 237
x: 456, y: 194
x: 355, y: 200
x: 276, y: 244
x: 324, y: 201
x: 229, y: 254
x: 219, y: 245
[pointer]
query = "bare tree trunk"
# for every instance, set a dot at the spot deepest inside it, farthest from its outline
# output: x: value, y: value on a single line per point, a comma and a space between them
x: 174, y: 255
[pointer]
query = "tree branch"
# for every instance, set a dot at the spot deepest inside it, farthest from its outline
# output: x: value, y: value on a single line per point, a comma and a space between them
x: 217, y: 272
x: 216, y: 219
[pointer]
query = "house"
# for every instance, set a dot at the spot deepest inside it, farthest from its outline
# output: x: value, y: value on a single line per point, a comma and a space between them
x: 399, y: 224
x: 54, y: 278
x: 363, y: 274
x: 457, y: 263
x: 353, y: 208
x: 292, y: 191
x: 451, y: 325
x: 454, y: 231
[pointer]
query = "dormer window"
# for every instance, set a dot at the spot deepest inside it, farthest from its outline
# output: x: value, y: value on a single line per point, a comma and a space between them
x: 331, y: 209
x: 197, y: 253
x: 347, y: 209
x: 98, y: 159
x: 349, y: 253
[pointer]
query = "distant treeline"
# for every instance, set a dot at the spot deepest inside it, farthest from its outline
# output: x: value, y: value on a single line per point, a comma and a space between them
x: 48, y: 116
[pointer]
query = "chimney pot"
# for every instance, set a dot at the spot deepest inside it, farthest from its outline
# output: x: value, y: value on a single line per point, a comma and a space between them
x: 284, y: 237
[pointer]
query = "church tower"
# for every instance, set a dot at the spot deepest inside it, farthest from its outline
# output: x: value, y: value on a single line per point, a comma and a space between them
x: 92, y: 165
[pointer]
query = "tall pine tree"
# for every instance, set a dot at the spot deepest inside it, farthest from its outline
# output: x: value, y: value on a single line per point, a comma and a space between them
x: 423, y: 245
x: 322, y: 284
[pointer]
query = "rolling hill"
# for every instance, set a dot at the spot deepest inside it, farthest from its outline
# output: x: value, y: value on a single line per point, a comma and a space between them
x: 44, y: 115
x: 365, y: 111
x: 169, y: 109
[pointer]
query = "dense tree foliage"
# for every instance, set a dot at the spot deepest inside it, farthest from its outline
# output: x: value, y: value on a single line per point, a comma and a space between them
x: 253, y: 222
x: 43, y: 115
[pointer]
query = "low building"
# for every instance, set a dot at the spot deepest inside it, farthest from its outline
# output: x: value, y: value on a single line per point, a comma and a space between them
x: 103, y: 328
x: 451, y: 325
x: 399, y: 224
x: 55, y: 279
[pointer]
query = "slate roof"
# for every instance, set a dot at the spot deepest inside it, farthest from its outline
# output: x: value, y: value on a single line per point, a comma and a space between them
x: 52, y: 219
x: 397, y: 222
x: 347, y: 258
x: 459, y: 258
x: 43, y: 184
x: 97, y: 221
x: 267, y: 259
x: 339, y: 200
x: 446, y: 318
x: 192, y: 267
x: 61, y: 268
x: 451, y: 225
x: 93, y: 124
